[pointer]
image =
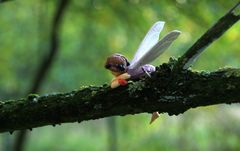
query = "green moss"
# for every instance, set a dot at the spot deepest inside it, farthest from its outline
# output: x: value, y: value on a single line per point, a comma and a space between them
x: 86, y: 93
x: 135, y: 87
x: 33, y: 97
x: 204, y: 73
x: 85, y: 87
x: 229, y: 86
x: 228, y: 72
x: 172, y: 61
x: 93, y: 93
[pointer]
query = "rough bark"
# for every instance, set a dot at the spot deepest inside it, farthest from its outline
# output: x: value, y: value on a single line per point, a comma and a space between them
x: 167, y: 91
x: 164, y: 92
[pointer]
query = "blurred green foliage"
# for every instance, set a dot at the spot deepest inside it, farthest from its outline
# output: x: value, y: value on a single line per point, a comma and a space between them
x: 94, y: 29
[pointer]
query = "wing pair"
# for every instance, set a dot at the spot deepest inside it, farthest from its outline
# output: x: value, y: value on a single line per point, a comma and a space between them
x: 150, y: 48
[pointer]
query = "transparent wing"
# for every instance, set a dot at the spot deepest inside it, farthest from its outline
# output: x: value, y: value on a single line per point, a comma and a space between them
x: 156, y: 50
x: 149, y: 40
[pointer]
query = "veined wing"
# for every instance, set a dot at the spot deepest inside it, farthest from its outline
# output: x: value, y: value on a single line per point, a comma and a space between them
x: 149, y: 41
x: 156, y: 50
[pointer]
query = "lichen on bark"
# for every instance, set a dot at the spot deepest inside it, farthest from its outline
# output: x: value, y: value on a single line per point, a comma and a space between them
x: 165, y: 91
x: 172, y: 89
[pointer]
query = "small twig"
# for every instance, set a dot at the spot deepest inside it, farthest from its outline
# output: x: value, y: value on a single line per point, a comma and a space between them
x: 210, y: 36
x: 1, y: 1
x: 45, y: 65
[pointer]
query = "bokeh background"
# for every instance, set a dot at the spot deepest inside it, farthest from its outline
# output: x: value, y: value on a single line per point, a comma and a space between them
x: 89, y: 32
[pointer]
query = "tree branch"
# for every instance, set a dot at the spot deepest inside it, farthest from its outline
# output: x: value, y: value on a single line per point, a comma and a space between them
x: 2, y: 1
x: 164, y: 92
x: 210, y: 36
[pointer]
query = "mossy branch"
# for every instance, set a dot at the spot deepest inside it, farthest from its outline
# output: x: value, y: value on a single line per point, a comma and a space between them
x: 164, y: 92
x: 167, y: 91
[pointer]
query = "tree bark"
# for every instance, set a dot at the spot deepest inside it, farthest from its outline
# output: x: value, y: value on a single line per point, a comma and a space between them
x: 164, y: 92
x: 167, y: 91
